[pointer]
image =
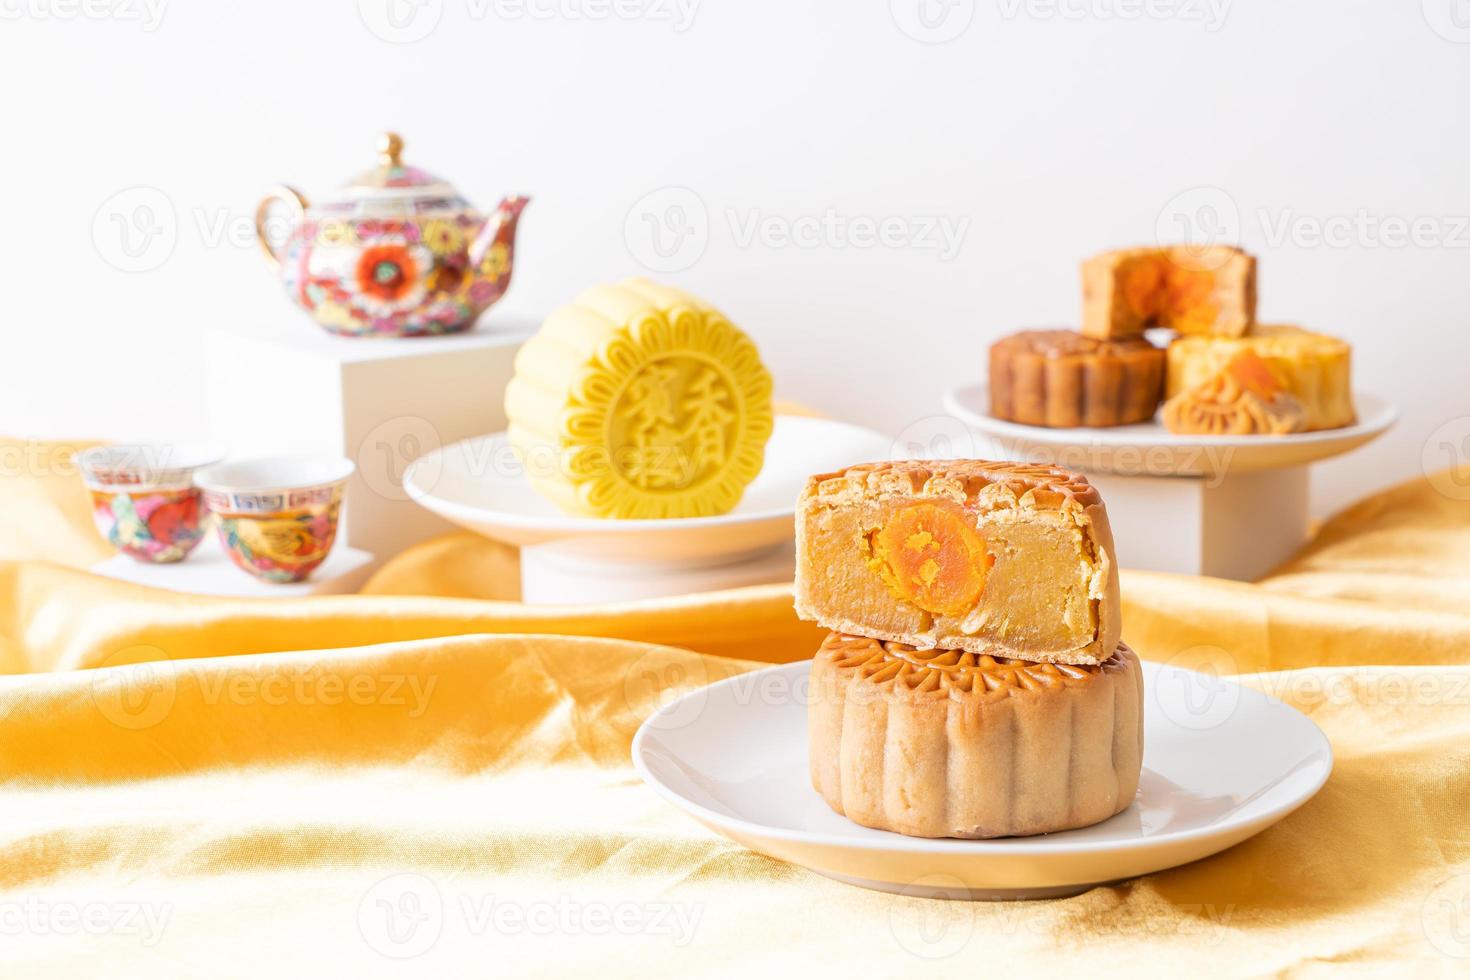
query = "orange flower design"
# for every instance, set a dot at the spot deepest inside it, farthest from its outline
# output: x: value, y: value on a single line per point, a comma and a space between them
x: 387, y: 272
x: 496, y: 261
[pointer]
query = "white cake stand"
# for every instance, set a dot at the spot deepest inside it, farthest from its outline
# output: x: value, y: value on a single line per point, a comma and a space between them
x: 1227, y: 506
x: 479, y: 484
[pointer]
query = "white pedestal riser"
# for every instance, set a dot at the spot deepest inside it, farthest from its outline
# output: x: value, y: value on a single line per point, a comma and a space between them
x: 1239, y: 527
x: 380, y: 402
x: 1236, y: 525
x: 558, y: 574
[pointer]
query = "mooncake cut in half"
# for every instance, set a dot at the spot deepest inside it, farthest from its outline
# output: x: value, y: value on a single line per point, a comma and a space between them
x: 952, y: 744
x: 640, y: 401
x: 1010, y: 559
x: 1313, y: 368
x: 1208, y: 290
x: 1060, y: 378
x: 1245, y: 398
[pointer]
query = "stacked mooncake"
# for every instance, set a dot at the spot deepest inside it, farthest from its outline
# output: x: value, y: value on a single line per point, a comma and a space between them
x: 975, y: 683
x: 1222, y: 373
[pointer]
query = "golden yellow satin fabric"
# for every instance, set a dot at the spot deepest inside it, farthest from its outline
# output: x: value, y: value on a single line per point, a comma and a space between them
x: 363, y: 785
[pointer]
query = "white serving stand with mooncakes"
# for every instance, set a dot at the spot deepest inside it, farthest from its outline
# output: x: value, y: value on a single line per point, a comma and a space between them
x: 1225, y: 506
x: 480, y: 484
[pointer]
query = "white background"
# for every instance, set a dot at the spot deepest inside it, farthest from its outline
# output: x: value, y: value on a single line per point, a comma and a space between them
x: 1044, y: 130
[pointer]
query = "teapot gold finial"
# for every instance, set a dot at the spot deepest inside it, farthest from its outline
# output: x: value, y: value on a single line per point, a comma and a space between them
x: 390, y: 150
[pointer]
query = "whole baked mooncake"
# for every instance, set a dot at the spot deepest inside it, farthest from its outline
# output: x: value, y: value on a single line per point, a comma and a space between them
x: 952, y: 744
x: 1062, y: 379
x: 1010, y: 559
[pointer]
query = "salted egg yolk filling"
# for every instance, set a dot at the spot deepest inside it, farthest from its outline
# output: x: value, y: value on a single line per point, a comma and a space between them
x: 1023, y: 578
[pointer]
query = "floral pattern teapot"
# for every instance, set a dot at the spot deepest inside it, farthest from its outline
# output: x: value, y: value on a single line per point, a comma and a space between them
x: 398, y: 253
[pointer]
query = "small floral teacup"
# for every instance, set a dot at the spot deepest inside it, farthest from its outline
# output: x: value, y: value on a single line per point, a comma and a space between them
x: 144, y: 499
x: 277, y: 517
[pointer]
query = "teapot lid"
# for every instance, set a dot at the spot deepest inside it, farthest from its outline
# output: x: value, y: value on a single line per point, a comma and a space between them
x: 392, y: 183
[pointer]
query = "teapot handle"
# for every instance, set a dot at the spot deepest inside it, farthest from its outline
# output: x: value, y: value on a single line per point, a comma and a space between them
x: 294, y: 199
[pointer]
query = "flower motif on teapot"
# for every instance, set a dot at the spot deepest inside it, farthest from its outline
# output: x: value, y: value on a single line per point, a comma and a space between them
x: 399, y: 254
x: 395, y: 278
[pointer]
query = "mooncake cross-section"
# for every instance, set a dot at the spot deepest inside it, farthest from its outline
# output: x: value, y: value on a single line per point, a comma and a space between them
x: 1205, y: 290
x: 1244, y: 398
x: 1313, y: 368
x: 1010, y: 559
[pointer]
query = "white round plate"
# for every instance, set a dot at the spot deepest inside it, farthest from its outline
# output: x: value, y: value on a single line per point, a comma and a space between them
x: 1150, y: 449
x: 480, y: 485
x: 1221, y: 762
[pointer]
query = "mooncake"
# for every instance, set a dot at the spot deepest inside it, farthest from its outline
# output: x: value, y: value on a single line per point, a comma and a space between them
x: 944, y: 743
x: 1315, y: 369
x: 1062, y: 379
x: 1245, y: 398
x: 1208, y: 290
x: 1010, y: 559
x: 639, y: 401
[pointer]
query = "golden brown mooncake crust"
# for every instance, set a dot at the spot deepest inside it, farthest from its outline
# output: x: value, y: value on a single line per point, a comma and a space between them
x: 1314, y: 368
x: 1244, y: 398
x: 1050, y: 595
x: 963, y: 479
x: 1204, y: 290
x: 1061, y: 379
x: 951, y: 744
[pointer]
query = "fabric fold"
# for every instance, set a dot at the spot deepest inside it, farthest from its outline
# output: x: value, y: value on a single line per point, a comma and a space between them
x: 433, y: 776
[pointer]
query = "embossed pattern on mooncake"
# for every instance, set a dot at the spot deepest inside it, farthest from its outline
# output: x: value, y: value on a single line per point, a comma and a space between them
x: 640, y: 401
x: 951, y: 744
x: 1245, y: 398
x: 1313, y: 368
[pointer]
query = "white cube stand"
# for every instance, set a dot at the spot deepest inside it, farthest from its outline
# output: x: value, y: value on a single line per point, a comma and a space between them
x: 1229, y: 506
x: 209, y: 571
x: 1235, y: 525
x: 1239, y: 526
x: 292, y: 389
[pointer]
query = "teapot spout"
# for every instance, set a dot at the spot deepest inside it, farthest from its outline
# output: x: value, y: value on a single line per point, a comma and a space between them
x: 496, y: 239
